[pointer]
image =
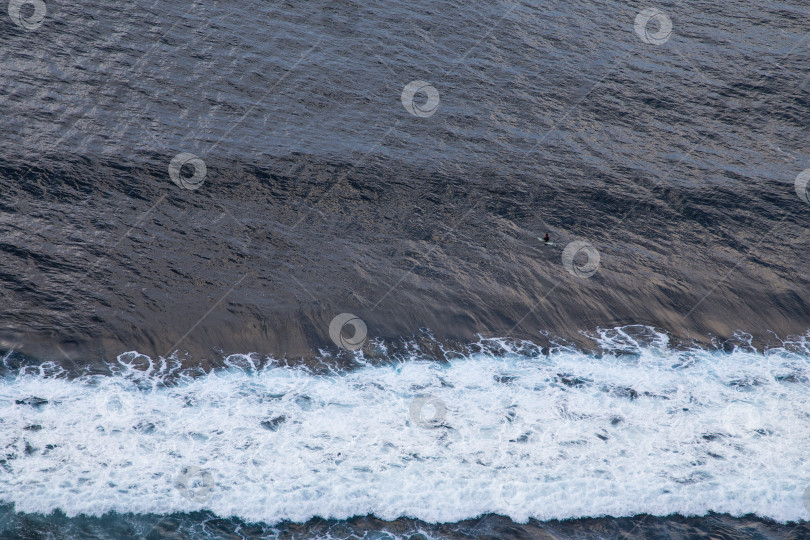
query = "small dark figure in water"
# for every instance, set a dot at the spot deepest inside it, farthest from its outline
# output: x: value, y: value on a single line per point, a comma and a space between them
x: 545, y: 238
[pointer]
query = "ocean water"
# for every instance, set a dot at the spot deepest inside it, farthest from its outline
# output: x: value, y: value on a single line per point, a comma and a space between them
x: 274, y: 269
x: 639, y: 429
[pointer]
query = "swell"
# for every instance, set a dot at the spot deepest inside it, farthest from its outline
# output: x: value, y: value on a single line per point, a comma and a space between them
x: 262, y: 257
x: 325, y: 196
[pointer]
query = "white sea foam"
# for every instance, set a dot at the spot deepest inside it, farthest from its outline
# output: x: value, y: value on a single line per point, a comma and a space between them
x: 562, y: 435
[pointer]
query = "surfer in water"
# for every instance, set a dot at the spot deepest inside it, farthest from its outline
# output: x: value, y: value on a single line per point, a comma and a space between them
x: 546, y: 238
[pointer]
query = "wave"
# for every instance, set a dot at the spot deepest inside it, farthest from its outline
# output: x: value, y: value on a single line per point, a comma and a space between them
x: 640, y: 427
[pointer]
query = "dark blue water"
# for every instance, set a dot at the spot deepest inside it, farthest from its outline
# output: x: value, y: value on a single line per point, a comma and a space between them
x: 199, y: 179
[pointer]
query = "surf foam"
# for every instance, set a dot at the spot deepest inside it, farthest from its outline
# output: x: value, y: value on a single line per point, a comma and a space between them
x: 638, y: 429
